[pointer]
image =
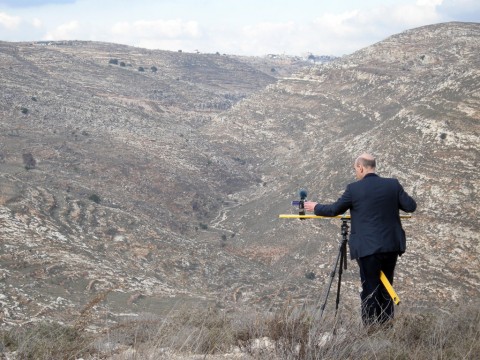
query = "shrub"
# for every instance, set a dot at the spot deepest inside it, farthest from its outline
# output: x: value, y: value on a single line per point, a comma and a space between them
x: 29, y: 161
x: 24, y: 110
x: 95, y: 198
x: 141, y: 69
x: 113, y: 61
x: 239, y: 160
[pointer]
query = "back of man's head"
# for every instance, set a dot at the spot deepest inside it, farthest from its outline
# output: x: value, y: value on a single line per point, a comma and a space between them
x: 367, y: 161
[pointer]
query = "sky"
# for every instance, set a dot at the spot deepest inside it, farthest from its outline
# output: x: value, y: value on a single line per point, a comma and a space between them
x: 236, y: 27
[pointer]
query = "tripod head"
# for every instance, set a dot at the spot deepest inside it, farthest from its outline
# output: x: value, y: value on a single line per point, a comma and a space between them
x: 301, y: 204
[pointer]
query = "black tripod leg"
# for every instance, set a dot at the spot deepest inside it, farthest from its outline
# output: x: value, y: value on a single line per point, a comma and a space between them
x: 342, y: 258
x: 332, y: 276
x: 343, y: 265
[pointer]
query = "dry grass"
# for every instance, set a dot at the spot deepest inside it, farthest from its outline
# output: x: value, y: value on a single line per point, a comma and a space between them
x: 44, y: 341
x: 289, y: 333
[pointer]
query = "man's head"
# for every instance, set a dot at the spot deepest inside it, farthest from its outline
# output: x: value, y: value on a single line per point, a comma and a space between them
x: 365, y: 164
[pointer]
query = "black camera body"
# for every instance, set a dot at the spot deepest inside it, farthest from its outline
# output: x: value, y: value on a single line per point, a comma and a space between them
x: 301, y: 203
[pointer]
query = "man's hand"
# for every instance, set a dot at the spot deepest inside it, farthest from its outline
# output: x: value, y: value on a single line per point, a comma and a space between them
x: 310, y: 205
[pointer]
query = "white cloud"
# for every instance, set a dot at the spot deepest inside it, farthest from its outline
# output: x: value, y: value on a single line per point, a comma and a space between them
x: 37, y: 23
x: 352, y: 30
x: 267, y: 36
x: 174, y: 34
x: 267, y: 29
x: 65, y: 31
x: 377, y: 20
x: 421, y: 13
x: 8, y: 21
x: 429, y: 2
x: 462, y: 4
x: 336, y: 32
x: 344, y: 24
x: 168, y: 29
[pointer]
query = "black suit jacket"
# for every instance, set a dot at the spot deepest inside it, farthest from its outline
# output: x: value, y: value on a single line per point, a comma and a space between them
x: 374, y: 204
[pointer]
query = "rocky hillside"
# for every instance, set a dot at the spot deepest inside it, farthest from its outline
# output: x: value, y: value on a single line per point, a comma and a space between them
x: 412, y: 100
x: 106, y: 180
x: 144, y: 177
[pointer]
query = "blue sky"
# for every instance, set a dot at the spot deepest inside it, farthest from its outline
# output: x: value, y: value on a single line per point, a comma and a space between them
x: 242, y: 27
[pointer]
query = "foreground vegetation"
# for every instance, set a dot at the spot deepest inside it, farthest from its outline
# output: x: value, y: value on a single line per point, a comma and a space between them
x: 288, y: 333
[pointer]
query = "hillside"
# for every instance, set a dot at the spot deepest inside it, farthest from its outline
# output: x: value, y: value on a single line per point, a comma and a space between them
x: 413, y: 101
x: 120, y: 181
x: 165, y: 184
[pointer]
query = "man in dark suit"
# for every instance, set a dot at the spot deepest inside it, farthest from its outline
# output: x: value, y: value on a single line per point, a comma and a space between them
x: 377, y: 237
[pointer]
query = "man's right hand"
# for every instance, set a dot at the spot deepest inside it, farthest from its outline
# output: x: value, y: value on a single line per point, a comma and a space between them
x: 310, y: 205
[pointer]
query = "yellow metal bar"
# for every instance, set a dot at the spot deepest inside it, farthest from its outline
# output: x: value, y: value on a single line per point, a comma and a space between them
x: 295, y: 216
x: 389, y: 288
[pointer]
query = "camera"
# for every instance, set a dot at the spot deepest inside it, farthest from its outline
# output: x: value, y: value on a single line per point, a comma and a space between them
x: 301, y: 203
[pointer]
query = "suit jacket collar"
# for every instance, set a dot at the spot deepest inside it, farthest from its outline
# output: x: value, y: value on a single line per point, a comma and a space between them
x: 370, y: 175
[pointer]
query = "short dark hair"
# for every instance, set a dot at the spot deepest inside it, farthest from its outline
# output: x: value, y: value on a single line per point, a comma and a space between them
x: 368, y: 163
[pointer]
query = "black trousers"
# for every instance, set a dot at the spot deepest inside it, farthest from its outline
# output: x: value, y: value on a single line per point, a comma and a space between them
x: 377, y: 305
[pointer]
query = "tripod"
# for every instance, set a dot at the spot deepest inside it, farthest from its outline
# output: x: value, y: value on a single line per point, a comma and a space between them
x: 342, y: 259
